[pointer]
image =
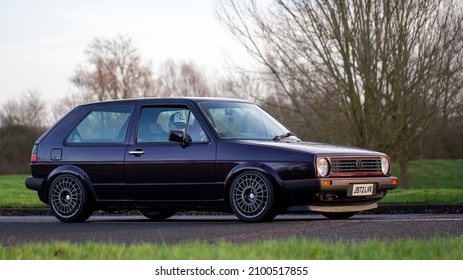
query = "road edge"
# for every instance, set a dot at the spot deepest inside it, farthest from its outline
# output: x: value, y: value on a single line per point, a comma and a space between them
x: 382, y: 209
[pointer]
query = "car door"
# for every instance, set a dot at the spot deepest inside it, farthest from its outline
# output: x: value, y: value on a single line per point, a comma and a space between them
x: 158, y: 169
x: 97, y: 145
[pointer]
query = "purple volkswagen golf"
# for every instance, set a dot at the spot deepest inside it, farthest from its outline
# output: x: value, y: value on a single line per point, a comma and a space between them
x: 164, y: 155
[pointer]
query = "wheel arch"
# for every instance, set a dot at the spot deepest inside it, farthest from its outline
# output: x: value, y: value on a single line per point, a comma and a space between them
x: 74, y: 170
x: 268, y: 171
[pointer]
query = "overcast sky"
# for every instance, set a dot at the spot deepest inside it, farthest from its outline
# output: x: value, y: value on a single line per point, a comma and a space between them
x: 43, y: 41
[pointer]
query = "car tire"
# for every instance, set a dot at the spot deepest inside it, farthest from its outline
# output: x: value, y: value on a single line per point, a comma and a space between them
x: 338, y: 216
x: 68, y: 199
x: 252, y: 197
x: 157, y: 215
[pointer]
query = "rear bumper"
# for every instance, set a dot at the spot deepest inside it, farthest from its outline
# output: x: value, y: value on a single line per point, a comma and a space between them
x: 35, y: 184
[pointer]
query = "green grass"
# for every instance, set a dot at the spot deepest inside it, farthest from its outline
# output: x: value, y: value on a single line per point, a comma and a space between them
x: 424, y: 196
x: 293, y: 248
x: 431, y: 181
x: 435, y: 174
x: 13, y: 193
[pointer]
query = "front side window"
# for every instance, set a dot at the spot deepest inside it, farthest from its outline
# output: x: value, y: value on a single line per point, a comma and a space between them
x: 156, y: 123
x: 103, y: 125
x: 237, y: 120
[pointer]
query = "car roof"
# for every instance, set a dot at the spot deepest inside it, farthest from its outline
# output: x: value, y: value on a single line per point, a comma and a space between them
x: 164, y: 99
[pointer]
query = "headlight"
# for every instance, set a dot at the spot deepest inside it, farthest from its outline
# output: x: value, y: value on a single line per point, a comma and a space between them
x: 385, y: 165
x: 323, y: 167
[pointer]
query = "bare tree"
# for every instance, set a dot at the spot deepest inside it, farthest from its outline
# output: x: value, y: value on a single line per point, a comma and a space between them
x: 114, y: 70
x: 384, y: 68
x: 182, y: 79
x: 22, y: 121
x: 29, y: 110
x: 70, y: 101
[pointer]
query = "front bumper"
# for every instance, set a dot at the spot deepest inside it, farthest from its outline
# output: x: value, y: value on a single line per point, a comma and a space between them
x: 336, y: 194
x: 339, y: 184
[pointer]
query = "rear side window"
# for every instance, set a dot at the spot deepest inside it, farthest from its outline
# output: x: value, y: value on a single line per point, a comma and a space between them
x: 102, y: 125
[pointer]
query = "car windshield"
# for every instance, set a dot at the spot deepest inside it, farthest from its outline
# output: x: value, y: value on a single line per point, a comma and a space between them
x: 238, y: 120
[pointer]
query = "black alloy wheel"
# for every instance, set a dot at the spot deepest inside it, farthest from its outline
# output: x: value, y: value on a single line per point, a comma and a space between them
x: 252, y: 197
x: 68, y: 199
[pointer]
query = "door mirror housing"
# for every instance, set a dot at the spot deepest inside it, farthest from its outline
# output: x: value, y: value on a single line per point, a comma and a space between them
x: 179, y: 136
x: 176, y: 136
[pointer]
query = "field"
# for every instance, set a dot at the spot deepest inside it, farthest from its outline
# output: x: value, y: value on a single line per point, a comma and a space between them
x: 431, y: 182
x: 14, y: 193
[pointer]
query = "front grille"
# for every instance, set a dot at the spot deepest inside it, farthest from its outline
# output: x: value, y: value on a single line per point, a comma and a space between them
x: 349, y: 165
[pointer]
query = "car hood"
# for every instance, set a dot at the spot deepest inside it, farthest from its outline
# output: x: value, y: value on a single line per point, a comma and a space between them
x: 315, y: 148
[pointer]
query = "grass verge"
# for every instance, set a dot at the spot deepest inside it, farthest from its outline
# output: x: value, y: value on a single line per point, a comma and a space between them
x: 291, y: 249
x: 14, y: 194
x: 431, y: 182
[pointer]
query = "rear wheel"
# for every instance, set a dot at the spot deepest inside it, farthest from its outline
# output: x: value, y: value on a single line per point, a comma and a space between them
x: 338, y: 216
x: 157, y: 215
x: 68, y: 199
x: 252, y: 197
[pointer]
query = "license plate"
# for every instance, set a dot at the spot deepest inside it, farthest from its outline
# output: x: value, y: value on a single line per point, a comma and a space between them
x: 362, y: 189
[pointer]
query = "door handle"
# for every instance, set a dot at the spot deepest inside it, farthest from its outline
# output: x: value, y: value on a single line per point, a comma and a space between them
x: 137, y: 153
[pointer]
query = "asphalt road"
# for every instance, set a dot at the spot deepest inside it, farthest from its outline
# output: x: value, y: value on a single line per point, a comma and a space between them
x: 133, y: 229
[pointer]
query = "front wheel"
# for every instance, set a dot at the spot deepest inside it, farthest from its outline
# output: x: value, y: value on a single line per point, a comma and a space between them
x: 68, y: 199
x: 252, y: 197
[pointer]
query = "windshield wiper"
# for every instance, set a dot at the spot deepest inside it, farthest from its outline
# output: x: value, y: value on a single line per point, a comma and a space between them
x: 282, y: 136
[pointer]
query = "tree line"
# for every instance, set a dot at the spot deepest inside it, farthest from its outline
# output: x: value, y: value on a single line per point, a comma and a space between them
x: 384, y: 75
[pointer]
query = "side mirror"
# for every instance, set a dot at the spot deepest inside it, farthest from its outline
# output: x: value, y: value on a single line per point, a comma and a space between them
x: 176, y: 136
x: 179, y: 136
